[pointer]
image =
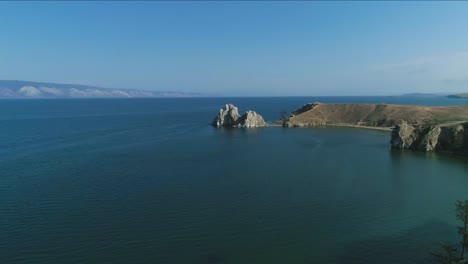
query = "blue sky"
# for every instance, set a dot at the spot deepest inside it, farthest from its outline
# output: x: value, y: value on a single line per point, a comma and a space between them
x: 240, y: 48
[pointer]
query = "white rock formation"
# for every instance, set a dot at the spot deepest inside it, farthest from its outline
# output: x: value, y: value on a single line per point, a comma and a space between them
x: 229, y: 117
x: 251, y: 119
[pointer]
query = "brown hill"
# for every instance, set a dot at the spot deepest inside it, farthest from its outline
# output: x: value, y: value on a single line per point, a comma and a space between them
x: 374, y: 115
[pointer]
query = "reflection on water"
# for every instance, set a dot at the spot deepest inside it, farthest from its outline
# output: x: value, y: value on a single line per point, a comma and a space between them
x: 401, y: 154
x: 236, y: 132
x: 408, y: 247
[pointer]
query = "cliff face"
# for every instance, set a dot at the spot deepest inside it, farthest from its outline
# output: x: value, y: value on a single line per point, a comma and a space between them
x: 449, y: 138
x: 403, y: 136
x: 229, y: 117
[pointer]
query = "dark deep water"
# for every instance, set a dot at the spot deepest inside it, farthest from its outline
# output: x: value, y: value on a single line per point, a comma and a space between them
x: 149, y: 181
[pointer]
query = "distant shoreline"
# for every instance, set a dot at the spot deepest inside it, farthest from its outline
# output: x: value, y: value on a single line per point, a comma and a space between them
x: 388, y: 129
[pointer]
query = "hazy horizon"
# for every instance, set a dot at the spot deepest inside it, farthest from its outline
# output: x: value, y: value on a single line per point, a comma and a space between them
x: 240, y: 48
x: 48, y: 85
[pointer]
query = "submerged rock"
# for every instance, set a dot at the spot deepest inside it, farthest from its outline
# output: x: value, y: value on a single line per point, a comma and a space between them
x: 229, y: 117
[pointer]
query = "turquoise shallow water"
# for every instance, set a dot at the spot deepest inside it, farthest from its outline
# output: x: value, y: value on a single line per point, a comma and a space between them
x: 149, y: 181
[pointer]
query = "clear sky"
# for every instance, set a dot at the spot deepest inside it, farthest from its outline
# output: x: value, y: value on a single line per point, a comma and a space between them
x: 240, y: 48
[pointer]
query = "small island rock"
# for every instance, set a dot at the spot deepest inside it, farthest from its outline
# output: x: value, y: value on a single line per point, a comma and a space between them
x: 251, y: 119
x: 229, y: 117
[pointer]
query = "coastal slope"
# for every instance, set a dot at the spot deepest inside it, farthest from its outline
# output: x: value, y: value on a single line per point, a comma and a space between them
x: 374, y: 115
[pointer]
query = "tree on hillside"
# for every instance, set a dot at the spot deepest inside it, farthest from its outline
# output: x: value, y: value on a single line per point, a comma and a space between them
x: 283, y: 116
x: 462, y: 215
x: 448, y: 254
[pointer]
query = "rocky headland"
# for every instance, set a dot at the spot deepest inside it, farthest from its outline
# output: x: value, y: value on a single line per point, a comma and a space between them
x: 373, y: 115
x: 423, y: 128
x: 229, y: 117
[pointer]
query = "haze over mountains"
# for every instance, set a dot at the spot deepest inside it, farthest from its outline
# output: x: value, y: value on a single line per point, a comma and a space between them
x: 27, y: 89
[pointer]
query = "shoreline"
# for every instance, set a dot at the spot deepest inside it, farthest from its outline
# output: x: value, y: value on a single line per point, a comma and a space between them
x: 388, y: 129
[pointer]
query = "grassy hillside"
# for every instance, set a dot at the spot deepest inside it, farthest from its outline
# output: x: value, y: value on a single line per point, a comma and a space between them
x: 380, y: 115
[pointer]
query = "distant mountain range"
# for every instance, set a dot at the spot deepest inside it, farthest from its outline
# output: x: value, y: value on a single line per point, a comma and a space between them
x: 26, y: 89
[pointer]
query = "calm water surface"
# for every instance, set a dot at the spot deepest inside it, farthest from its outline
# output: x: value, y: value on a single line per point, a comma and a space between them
x: 149, y: 181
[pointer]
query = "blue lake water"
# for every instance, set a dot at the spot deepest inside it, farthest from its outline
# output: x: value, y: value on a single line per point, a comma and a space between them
x: 149, y: 181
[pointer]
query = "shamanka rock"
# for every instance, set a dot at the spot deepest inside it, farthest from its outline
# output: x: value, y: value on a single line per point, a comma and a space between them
x: 251, y: 119
x: 229, y: 117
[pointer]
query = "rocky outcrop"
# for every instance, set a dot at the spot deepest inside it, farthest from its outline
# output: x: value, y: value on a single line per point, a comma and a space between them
x: 251, y: 119
x: 403, y: 136
x: 447, y: 138
x: 229, y: 117
x: 430, y: 140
